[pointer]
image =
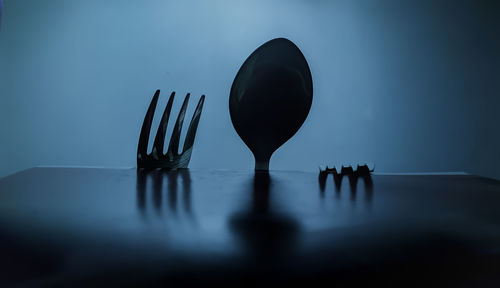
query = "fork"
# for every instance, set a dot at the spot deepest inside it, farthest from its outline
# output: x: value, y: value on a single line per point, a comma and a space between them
x: 172, y: 160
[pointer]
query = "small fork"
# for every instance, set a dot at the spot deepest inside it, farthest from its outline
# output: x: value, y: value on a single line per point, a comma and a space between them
x: 172, y: 160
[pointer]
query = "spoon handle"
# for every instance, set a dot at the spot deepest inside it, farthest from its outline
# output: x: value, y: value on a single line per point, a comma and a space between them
x: 262, y: 165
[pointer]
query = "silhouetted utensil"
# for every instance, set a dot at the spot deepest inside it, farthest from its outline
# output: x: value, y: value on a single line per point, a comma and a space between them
x: 270, y: 98
x: 172, y: 159
x: 361, y: 170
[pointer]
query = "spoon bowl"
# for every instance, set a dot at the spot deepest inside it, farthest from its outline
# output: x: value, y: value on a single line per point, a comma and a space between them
x: 270, y: 98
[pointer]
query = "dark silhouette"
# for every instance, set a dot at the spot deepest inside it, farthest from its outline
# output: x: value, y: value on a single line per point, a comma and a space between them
x: 172, y: 159
x: 361, y: 170
x: 270, y: 98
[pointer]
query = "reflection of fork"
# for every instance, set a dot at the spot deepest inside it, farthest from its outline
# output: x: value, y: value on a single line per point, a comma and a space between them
x: 172, y: 159
x: 157, y: 190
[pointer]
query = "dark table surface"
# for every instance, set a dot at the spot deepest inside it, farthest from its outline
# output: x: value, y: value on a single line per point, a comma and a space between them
x: 121, y: 227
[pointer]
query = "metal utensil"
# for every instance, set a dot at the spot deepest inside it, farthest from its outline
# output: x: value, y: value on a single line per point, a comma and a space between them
x: 270, y: 98
x: 172, y: 159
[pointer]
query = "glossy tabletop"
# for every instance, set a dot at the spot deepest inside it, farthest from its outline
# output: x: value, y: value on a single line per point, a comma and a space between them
x: 121, y: 227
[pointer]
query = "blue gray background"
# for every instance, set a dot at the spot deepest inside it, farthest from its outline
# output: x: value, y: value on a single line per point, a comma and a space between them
x: 412, y: 86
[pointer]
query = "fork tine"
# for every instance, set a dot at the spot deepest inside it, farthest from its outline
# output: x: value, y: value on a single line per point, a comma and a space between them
x: 142, y: 149
x: 162, y: 128
x: 173, y: 147
x: 191, y: 133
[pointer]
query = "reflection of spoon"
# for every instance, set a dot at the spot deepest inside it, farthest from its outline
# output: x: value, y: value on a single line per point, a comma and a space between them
x: 266, y: 235
x: 270, y: 98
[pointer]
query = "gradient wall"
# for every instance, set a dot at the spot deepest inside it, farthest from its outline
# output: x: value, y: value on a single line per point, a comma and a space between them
x: 411, y: 86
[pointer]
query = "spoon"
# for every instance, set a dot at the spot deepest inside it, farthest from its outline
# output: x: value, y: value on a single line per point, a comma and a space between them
x: 270, y: 98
